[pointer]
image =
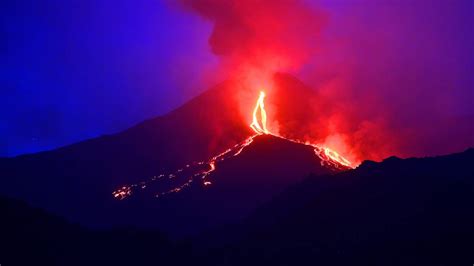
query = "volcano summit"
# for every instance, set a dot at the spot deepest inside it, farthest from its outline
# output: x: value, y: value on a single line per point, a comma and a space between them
x: 157, y: 158
x: 195, y: 171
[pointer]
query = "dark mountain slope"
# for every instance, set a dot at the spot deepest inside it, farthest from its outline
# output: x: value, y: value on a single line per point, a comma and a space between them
x: 76, y: 181
x: 397, y: 212
x: 33, y: 237
x: 240, y: 184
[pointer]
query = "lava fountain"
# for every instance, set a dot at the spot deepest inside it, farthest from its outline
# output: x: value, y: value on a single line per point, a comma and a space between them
x: 260, y: 107
x: 260, y: 127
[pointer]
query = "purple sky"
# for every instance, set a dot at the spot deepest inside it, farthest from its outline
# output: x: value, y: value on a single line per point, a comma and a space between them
x: 72, y: 70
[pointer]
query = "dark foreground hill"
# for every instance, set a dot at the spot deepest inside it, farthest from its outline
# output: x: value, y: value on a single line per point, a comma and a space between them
x: 397, y: 212
x: 33, y: 237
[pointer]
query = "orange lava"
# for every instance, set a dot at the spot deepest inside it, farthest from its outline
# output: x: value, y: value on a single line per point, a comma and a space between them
x: 260, y: 106
x: 259, y: 125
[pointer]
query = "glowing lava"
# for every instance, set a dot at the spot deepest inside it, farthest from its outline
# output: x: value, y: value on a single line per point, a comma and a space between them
x: 260, y: 127
x: 200, y: 171
x: 195, y: 172
x: 260, y: 106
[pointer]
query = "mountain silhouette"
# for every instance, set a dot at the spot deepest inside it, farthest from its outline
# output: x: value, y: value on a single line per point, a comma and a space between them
x: 77, y: 181
x: 239, y: 185
x: 273, y: 202
x: 396, y: 212
x: 32, y: 236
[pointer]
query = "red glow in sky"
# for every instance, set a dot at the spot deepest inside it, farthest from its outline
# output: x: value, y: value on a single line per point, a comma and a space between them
x: 359, y: 101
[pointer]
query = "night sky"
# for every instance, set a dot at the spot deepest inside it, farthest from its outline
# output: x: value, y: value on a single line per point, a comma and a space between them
x: 72, y: 70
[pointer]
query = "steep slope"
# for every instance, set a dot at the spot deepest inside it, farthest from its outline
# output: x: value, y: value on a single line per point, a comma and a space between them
x: 77, y: 181
x: 73, y: 180
x: 397, y: 212
x: 238, y: 186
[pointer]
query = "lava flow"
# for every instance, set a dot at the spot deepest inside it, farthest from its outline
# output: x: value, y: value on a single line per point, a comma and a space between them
x: 199, y: 171
x: 324, y: 153
x: 260, y: 106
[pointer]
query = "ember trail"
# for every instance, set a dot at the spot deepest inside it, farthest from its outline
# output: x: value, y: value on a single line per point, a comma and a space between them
x: 198, y: 172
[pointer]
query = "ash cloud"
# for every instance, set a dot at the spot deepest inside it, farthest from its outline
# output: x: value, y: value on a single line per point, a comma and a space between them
x: 263, y: 36
x: 389, y: 77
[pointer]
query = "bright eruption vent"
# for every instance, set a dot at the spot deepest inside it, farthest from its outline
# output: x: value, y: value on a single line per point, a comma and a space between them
x: 260, y: 107
x: 199, y: 171
x: 260, y: 127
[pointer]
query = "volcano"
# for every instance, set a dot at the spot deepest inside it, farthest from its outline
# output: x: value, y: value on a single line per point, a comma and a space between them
x: 77, y: 181
x: 231, y: 189
x: 238, y: 186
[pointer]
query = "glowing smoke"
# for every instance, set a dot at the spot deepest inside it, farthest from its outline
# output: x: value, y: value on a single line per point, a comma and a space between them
x: 379, y: 83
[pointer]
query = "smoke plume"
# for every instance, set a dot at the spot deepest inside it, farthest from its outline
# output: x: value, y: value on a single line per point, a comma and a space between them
x: 383, y: 79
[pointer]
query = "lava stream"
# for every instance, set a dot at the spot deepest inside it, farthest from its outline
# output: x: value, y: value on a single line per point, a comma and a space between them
x: 260, y: 106
x: 328, y: 155
x: 197, y: 173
